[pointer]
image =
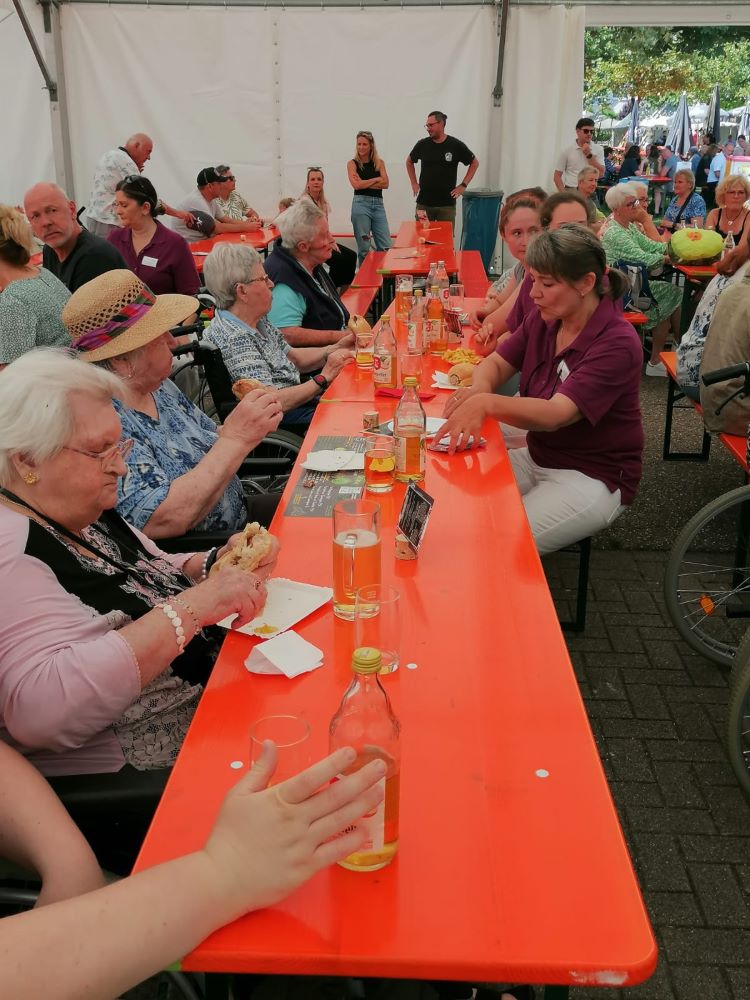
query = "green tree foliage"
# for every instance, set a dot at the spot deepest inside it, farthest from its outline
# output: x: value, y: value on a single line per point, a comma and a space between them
x: 659, y: 63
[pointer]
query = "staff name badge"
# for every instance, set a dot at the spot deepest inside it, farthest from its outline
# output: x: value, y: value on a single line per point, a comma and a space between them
x: 563, y: 371
x: 415, y: 513
x: 150, y: 261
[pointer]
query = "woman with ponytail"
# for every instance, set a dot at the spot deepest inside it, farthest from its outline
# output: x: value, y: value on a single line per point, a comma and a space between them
x: 580, y: 366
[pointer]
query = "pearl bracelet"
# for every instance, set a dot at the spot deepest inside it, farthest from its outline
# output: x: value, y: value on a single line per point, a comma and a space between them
x: 176, y: 622
x: 208, y: 560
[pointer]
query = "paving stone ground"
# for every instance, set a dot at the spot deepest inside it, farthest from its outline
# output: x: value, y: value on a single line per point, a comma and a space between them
x: 658, y: 713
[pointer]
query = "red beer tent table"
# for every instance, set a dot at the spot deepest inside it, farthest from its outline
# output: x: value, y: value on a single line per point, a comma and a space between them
x: 410, y: 231
x: 260, y: 240
x: 512, y: 864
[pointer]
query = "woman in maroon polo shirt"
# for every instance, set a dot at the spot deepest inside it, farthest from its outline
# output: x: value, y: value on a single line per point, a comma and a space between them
x: 160, y: 257
x: 580, y: 365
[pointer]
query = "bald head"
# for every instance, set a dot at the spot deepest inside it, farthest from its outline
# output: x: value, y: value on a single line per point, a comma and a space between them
x: 139, y: 147
x: 53, y: 217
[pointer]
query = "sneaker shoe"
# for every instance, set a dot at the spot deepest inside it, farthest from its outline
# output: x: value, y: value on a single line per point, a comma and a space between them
x: 657, y: 369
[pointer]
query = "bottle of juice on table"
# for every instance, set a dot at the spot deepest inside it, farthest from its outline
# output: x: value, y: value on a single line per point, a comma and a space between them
x: 404, y: 292
x: 365, y: 721
x: 409, y: 432
x: 432, y: 275
x: 434, y: 323
x: 414, y: 335
x: 443, y: 282
x: 385, y: 356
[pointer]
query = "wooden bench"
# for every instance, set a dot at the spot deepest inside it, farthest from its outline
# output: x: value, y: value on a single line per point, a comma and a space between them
x: 736, y: 444
x: 471, y: 273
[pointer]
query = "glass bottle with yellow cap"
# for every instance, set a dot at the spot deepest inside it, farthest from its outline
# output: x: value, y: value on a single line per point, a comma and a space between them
x: 365, y: 721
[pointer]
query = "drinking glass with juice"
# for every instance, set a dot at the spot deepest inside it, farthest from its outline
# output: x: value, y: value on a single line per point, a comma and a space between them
x: 356, y: 552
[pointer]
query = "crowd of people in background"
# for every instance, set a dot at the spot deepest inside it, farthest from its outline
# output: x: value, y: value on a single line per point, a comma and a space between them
x: 120, y: 458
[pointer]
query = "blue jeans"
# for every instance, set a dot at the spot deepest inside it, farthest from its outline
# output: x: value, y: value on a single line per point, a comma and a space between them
x: 368, y: 216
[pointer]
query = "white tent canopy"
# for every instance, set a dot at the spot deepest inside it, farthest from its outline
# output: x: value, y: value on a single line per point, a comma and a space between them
x: 272, y: 90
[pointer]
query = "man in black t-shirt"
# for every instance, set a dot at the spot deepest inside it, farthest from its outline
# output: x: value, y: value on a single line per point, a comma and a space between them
x: 436, y: 190
x: 71, y: 253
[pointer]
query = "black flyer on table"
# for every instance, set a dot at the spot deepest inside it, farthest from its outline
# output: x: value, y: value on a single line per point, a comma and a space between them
x: 316, y: 493
x: 415, y: 513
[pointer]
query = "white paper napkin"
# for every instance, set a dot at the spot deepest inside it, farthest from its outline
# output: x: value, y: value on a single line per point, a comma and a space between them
x: 287, y: 654
x: 337, y: 460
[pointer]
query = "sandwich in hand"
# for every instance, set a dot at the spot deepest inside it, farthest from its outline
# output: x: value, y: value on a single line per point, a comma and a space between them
x: 253, y: 547
x: 243, y: 386
x: 461, y: 375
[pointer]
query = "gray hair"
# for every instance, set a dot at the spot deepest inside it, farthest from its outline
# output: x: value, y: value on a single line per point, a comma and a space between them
x: 226, y: 266
x: 299, y: 222
x: 35, y: 415
x: 586, y: 172
x: 619, y: 194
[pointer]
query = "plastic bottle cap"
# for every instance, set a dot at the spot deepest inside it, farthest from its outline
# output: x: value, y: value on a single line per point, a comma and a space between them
x: 366, y: 660
x: 410, y: 380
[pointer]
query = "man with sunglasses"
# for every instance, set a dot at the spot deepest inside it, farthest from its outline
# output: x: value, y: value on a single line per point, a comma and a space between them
x: 231, y: 202
x: 210, y: 187
x: 436, y: 190
x: 582, y: 153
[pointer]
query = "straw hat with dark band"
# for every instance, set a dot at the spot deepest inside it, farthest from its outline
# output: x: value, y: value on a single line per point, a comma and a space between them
x: 116, y: 313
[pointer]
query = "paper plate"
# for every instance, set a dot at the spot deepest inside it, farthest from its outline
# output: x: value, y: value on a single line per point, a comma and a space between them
x: 440, y: 380
x: 433, y: 426
x: 334, y: 461
x: 288, y: 603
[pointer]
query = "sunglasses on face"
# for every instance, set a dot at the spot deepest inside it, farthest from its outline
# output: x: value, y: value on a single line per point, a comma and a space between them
x: 589, y: 131
x: 228, y: 177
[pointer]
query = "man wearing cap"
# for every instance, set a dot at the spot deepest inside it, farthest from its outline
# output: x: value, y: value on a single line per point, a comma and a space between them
x: 582, y: 153
x: 71, y: 253
x: 211, y: 220
x: 182, y: 469
x: 436, y: 190
x: 113, y: 167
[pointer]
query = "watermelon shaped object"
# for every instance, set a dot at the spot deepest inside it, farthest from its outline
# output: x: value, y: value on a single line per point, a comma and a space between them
x: 695, y: 246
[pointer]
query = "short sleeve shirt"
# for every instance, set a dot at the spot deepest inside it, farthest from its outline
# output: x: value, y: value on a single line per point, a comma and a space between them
x: 695, y: 208
x: 165, y: 264
x: 194, y: 202
x: 572, y: 160
x: 90, y: 257
x: 113, y: 167
x: 288, y: 307
x: 233, y: 207
x: 166, y: 449
x: 30, y: 315
x: 260, y: 353
x: 439, y: 171
x: 601, y: 373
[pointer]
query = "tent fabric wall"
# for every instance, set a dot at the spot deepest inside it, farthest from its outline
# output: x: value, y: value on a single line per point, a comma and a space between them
x: 274, y: 91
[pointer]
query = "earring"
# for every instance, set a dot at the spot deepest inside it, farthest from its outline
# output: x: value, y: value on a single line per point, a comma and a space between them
x: 30, y: 478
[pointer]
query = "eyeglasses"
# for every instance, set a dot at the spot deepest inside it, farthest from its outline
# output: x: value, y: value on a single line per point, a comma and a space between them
x: 122, y: 448
x: 251, y: 280
x: 365, y: 135
x: 430, y: 124
x: 633, y: 204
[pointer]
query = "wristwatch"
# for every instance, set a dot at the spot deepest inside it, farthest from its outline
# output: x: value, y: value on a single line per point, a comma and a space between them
x: 589, y: 156
x: 320, y: 380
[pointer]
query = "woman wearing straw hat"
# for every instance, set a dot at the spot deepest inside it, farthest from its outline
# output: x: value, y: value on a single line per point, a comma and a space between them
x: 105, y: 639
x: 182, y: 469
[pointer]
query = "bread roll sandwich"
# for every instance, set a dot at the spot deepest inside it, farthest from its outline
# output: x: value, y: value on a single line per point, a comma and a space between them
x: 243, y: 386
x: 461, y: 375
x: 358, y: 324
x: 253, y: 547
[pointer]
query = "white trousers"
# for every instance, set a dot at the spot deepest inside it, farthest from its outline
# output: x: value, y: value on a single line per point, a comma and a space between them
x: 562, y: 505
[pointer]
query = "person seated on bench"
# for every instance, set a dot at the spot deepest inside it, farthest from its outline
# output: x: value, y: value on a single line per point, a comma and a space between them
x: 182, y: 469
x: 580, y: 365
x: 690, y: 348
x: 307, y: 308
x: 727, y: 343
x: 252, y: 347
x: 623, y: 241
x: 105, y: 639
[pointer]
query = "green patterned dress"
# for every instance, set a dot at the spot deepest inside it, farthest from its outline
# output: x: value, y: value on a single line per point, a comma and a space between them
x: 632, y: 245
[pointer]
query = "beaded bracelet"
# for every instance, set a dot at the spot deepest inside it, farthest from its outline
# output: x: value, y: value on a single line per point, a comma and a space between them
x: 176, y: 622
x: 208, y: 560
x: 190, y: 611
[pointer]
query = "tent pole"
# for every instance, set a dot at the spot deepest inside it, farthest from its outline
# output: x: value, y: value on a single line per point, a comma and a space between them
x: 54, y: 82
x: 61, y: 150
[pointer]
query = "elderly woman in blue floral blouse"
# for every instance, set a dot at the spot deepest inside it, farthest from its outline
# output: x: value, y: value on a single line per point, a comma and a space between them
x: 252, y: 347
x: 182, y: 470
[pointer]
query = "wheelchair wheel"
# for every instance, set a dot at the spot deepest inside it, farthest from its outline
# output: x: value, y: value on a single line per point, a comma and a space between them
x: 738, y: 723
x: 707, y: 581
x: 274, y: 458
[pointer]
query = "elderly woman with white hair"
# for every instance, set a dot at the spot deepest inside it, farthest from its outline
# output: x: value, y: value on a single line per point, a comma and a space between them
x: 104, y: 638
x: 306, y: 305
x: 624, y: 243
x: 252, y: 347
x: 182, y: 469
